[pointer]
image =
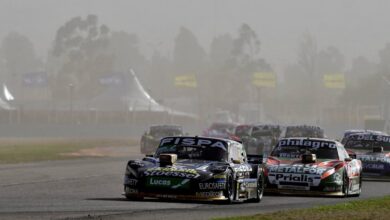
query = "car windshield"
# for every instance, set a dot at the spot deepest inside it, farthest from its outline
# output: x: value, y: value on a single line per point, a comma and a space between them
x: 194, y: 152
x: 312, y: 132
x: 296, y: 151
x: 262, y: 134
x: 242, y: 131
x: 224, y: 128
x: 366, y: 145
x: 164, y: 132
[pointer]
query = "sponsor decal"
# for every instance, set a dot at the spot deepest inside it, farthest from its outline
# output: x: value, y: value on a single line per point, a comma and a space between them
x: 290, y: 155
x: 374, y: 166
x: 220, y: 176
x: 315, y: 144
x: 299, y: 173
x: 294, y: 177
x: 172, y: 183
x: 242, y: 168
x: 172, y: 141
x: 298, y: 168
x: 368, y: 158
x: 371, y: 137
x: 249, y: 184
x: 217, y: 185
x: 159, y: 182
x: 172, y: 172
x: 209, y: 194
x: 131, y: 182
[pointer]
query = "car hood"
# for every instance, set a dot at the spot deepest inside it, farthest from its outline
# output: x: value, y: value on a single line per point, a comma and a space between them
x: 185, y: 168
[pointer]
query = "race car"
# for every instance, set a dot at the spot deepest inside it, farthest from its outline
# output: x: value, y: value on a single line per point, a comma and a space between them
x: 150, y: 139
x: 222, y: 130
x: 373, y: 150
x: 304, y: 131
x: 350, y: 132
x: 312, y: 166
x: 261, y: 139
x: 195, y: 168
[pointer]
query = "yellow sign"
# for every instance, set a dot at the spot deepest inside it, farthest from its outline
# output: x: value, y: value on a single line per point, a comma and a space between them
x: 334, y: 81
x: 188, y: 81
x: 265, y: 79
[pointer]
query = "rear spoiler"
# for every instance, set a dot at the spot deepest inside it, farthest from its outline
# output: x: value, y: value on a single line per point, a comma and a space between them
x: 255, y: 158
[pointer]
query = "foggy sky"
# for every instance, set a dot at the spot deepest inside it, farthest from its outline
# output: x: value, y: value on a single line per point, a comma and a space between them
x: 356, y: 27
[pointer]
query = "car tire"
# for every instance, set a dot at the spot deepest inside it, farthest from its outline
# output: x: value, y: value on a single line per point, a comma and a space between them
x: 360, y: 188
x: 260, y: 189
x: 229, y: 191
x: 345, y: 185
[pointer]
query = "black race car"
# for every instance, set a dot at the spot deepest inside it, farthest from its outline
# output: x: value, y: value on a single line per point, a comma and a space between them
x: 195, y: 168
x: 151, y: 138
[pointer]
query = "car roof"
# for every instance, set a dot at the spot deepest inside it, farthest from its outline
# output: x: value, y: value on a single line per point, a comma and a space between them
x: 228, y: 141
x: 309, y: 138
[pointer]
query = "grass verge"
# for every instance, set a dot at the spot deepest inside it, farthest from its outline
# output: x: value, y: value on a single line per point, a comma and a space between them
x: 362, y: 209
x: 31, y: 150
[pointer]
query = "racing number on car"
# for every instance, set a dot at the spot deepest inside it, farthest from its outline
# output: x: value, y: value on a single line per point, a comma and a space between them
x: 352, y: 169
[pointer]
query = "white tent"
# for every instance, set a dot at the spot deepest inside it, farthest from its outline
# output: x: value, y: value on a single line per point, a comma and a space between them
x: 8, y: 96
x: 125, y: 91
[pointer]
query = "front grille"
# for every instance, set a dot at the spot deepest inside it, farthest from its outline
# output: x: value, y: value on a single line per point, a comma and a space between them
x: 292, y: 184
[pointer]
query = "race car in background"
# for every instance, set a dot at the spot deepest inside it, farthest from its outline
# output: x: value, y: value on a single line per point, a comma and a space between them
x: 373, y: 150
x: 151, y: 138
x: 304, y: 131
x: 312, y: 166
x: 222, y: 130
x: 350, y: 132
x: 195, y: 168
x: 243, y: 131
x: 261, y: 139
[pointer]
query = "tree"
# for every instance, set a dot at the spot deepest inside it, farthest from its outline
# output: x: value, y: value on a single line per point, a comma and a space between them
x: 245, y: 52
x: 307, y: 55
x: 82, y: 46
x: 220, y: 51
x: 18, y: 54
x: 18, y: 57
x: 330, y: 60
x: 188, y: 55
x: 124, y: 47
x: 247, y: 46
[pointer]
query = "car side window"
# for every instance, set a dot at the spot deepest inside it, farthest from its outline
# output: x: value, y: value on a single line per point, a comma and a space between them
x: 242, y: 153
x: 234, y: 152
x: 239, y: 153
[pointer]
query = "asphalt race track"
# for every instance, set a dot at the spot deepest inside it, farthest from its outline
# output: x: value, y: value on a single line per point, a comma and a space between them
x: 91, y: 189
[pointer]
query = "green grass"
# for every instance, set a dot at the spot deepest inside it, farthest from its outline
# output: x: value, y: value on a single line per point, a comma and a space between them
x: 363, y: 209
x: 31, y: 150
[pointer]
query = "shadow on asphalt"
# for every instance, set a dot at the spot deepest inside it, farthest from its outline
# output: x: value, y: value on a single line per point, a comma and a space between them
x: 116, y: 199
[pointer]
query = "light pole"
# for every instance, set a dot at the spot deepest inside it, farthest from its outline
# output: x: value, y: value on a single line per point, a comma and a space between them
x: 71, y: 88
